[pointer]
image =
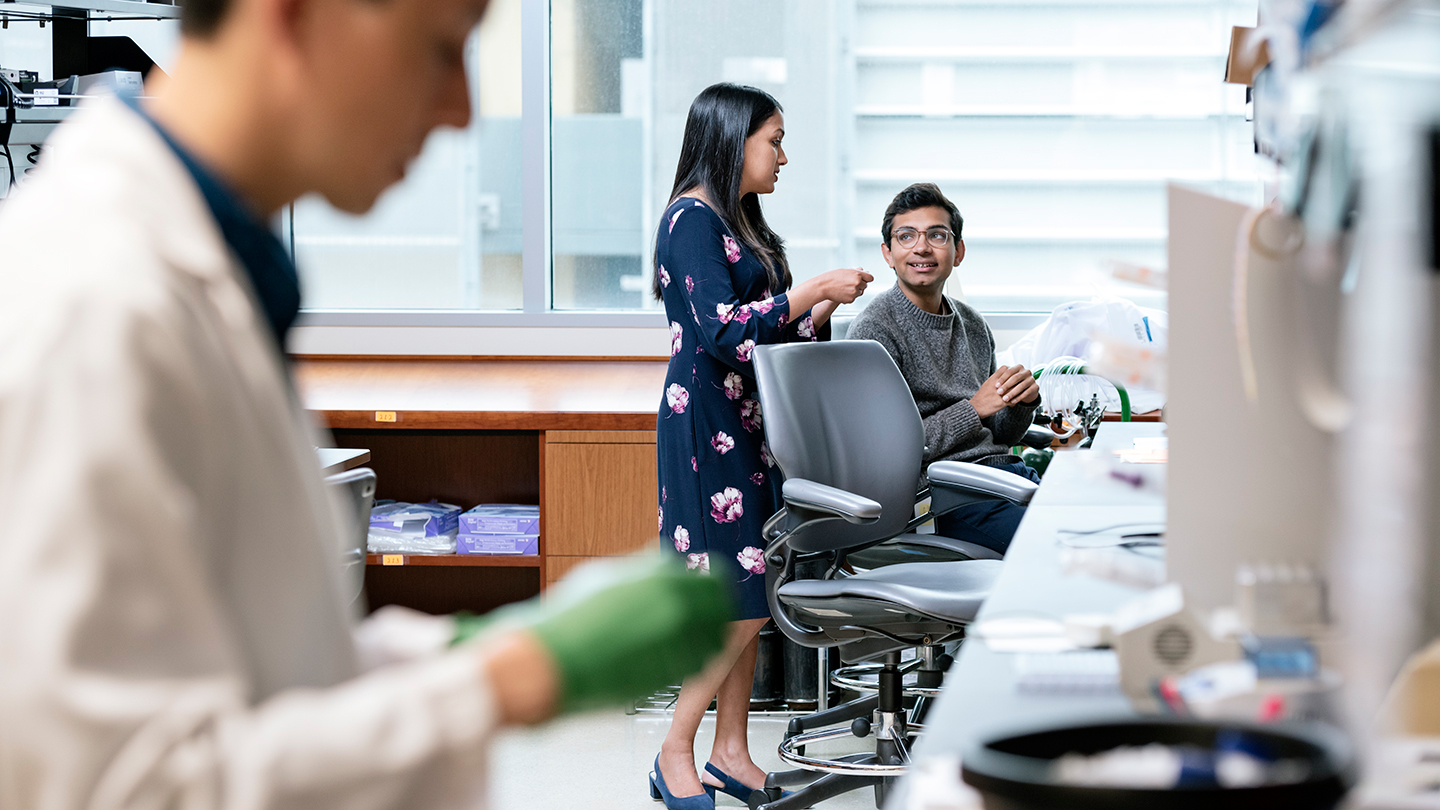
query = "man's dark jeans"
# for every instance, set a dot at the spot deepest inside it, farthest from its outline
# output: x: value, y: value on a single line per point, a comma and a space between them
x: 991, y: 524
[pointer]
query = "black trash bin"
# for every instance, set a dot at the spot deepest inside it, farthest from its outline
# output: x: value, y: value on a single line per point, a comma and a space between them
x: 802, y: 664
x: 768, y: 693
x: 1014, y: 772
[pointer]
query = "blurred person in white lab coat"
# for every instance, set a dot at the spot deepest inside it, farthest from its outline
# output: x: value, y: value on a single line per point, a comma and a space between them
x: 172, y: 631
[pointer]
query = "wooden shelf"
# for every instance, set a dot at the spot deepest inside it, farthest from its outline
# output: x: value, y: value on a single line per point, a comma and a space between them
x: 475, y: 560
x: 1148, y: 416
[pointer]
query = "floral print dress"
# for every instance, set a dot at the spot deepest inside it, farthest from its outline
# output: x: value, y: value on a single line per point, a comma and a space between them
x: 718, y: 484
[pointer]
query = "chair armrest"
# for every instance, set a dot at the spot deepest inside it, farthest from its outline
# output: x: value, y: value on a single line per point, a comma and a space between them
x: 810, y: 496
x: 975, y: 482
x: 807, y: 503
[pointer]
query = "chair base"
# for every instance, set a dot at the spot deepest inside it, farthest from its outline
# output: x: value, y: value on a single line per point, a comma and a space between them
x: 882, y: 769
x: 883, y: 715
x: 826, y: 787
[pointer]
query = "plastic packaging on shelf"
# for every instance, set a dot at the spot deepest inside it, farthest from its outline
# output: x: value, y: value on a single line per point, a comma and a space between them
x: 500, y: 528
x: 413, y: 528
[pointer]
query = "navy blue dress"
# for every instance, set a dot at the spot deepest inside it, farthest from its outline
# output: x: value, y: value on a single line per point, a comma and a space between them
x: 718, y: 484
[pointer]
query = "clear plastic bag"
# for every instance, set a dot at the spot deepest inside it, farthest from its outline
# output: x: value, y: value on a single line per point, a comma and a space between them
x: 1073, y: 327
x: 1075, y: 330
x: 413, y: 528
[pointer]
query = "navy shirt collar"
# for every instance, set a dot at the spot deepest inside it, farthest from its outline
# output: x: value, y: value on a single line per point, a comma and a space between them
x: 272, y: 273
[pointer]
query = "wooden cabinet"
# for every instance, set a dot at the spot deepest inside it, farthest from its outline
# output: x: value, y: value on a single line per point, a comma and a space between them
x: 600, y: 496
x: 575, y: 437
x: 463, y: 467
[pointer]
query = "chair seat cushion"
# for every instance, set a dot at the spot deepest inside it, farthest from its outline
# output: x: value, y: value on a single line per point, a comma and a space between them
x: 951, y: 591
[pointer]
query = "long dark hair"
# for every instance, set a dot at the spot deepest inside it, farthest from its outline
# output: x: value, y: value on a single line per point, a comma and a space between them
x: 713, y: 158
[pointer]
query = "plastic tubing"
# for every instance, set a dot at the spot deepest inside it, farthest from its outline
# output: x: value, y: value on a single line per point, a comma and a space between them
x: 1077, y: 367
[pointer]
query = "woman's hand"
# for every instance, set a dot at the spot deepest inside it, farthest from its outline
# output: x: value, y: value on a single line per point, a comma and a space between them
x: 845, y: 285
x: 841, y: 286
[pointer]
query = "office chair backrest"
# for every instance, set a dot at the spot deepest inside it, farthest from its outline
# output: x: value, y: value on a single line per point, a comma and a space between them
x: 841, y: 414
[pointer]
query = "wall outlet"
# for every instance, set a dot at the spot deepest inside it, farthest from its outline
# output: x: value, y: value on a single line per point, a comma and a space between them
x: 488, y: 206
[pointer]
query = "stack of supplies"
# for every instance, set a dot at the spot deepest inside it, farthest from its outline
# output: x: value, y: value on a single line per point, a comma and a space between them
x: 413, y: 528
x: 500, y: 528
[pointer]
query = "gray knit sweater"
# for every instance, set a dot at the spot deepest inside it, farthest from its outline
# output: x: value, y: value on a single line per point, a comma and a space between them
x: 944, y: 359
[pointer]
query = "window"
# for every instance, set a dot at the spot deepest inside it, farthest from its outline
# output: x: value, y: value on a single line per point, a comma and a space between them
x: 1053, y: 124
x: 600, y: 119
x: 450, y: 236
x: 623, y: 75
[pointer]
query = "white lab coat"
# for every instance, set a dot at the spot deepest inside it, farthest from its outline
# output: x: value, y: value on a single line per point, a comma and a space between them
x: 171, y: 628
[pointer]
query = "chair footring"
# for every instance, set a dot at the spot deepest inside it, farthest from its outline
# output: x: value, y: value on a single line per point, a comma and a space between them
x: 800, y: 776
x: 840, y: 766
x: 853, y: 678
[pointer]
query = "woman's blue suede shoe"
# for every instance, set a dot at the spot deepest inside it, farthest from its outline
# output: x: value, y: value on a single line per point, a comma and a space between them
x: 731, y: 785
x: 660, y: 793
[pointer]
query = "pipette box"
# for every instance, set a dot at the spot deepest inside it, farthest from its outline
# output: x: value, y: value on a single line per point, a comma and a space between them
x: 509, y: 544
x: 501, y: 518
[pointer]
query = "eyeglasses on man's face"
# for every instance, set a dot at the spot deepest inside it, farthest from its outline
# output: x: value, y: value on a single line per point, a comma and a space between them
x: 909, y: 237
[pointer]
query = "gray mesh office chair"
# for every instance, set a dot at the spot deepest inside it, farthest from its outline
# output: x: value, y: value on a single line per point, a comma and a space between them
x: 843, y: 428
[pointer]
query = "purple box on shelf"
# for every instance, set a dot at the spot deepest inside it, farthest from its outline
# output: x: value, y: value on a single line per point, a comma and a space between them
x: 429, y: 519
x: 501, y: 518
x: 522, y: 544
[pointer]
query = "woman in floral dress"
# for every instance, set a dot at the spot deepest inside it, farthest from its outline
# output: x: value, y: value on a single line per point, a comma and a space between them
x: 726, y: 285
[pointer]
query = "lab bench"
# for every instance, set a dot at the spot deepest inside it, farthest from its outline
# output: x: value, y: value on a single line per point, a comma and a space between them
x: 576, y: 437
x: 981, y: 698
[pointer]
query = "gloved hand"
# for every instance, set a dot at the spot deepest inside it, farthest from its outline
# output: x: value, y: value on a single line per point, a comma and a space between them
x: 620, y: 629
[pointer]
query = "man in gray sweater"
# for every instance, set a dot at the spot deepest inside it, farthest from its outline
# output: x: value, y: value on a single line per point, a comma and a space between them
x: 972, y: 410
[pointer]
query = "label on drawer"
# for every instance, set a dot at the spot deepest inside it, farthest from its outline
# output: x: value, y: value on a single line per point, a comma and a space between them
x: 385, y: 416
x: 392, y: 559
